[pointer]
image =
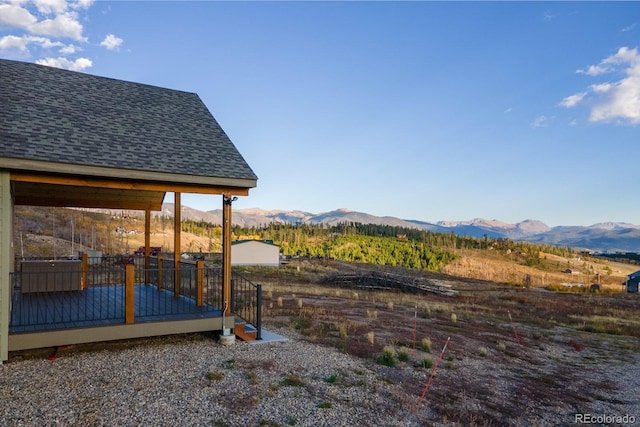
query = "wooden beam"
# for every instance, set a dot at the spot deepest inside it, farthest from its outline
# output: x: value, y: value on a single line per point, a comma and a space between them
x: 127, y: 185
x: 176, y: 244
x: 42, y: 194
x: 226, y: 254
x: 85, y: 270
x: 129, y: 295
x: 160, y: 273
x: 78, y: 203
x: 200, y: 283
x: 132, y: 175
x: 147, y: 244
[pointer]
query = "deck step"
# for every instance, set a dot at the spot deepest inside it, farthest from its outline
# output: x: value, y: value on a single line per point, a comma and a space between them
x: 245, y: 331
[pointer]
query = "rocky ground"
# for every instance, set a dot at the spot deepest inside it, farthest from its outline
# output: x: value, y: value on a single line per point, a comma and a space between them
x: 514, y: 357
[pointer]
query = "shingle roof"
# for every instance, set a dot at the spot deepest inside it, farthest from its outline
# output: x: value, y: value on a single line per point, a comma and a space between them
x: 53, y: 115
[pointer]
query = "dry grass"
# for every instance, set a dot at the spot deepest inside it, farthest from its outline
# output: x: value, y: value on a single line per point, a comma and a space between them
x: 497, y: 267
x: 477, y: 320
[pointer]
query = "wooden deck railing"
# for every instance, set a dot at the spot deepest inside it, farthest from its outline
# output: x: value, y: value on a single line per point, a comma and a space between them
x: 114, y: 290
x: 111, y: 292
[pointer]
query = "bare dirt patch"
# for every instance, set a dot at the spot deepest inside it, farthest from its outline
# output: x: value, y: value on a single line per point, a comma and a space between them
x: 516, y: 356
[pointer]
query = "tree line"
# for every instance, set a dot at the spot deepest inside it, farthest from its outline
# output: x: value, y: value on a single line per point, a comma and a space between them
x: 389, y: 245
x: 347, y: 241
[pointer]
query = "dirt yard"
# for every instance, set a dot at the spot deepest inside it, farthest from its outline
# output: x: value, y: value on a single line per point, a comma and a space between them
x: 515, y: 356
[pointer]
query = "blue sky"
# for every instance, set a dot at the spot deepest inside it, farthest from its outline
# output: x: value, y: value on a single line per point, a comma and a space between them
x: 420, y: 110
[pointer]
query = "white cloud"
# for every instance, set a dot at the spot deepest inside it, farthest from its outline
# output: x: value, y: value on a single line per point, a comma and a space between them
x: 12, y: 16
x: 621, y: 103
x: 41, y: 30
x: 111, y: 42
x: 22, y: 43
x: 81, y: 4
x: 50, y: 6
x: 69, y: 49
x: 64, y: 25
x: 573, y: 100
x: 540, y: 122
x: 61, y: 62
x: 616, y: 101
x: 13, y: 42
x: 593, y: 70
x: 629, y: 27
x: 601, y: 88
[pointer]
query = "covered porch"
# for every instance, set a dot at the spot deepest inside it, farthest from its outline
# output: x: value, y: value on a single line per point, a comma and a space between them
x: 75, y: 301
x: 70, y: 139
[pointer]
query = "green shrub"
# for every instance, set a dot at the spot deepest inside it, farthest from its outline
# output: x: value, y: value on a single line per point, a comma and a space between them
x: 388, y: 357
x: 427, y: 363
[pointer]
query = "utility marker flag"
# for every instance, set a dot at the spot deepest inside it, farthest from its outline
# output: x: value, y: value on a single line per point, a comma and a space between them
x: 415, y: 326
x: 515, y: 333
x: 424, y: 393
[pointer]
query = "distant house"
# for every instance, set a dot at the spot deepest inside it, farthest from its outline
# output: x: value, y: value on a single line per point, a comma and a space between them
x: 632, y: 282
x: 255, y: 252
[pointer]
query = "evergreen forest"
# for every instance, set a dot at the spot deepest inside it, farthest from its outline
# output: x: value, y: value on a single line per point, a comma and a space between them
x: 352, y: 242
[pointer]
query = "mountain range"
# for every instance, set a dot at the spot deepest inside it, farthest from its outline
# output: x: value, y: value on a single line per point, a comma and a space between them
x: 604, y: 237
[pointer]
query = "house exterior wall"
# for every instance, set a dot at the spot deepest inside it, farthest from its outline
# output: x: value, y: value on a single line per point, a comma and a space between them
x: 254, y: 252
x: 6, y: 266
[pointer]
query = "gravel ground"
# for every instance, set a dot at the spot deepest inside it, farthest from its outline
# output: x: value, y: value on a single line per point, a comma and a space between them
x: 192, y: 380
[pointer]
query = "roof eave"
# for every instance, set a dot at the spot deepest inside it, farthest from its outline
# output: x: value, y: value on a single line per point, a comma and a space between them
x: 32, y: 166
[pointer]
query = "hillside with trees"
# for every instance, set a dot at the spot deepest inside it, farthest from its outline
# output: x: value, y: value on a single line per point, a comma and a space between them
x: 51, y: 232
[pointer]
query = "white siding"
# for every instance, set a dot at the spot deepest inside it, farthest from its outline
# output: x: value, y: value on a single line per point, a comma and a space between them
x: 254, y: 252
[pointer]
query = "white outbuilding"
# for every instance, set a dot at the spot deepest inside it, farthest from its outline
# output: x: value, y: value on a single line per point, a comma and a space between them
x: 255, y: 252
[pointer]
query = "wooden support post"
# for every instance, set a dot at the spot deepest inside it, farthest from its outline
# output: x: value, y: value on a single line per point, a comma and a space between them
x: 176, y: 245
x: 85, y: 270
x: 147, y: 244
x: 200, y: 283
x: 160, y: 273
x: 129, y: 293
x: 226, y: 253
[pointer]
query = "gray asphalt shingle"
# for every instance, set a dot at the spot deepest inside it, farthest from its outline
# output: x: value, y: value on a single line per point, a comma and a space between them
x: 63, y: 116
